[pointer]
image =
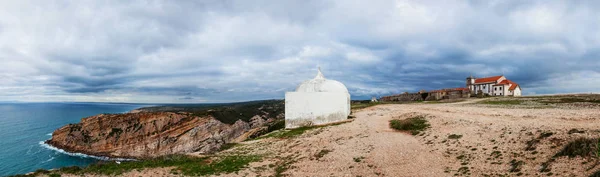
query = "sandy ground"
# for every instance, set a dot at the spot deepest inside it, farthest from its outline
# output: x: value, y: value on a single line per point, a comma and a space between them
x: 492, y: 137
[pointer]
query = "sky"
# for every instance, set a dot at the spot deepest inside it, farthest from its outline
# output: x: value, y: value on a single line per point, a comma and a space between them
x: 228, y: 51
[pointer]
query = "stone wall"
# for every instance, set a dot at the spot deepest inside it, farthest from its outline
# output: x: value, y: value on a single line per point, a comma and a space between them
x: 448, y: 94
x: 402, y: 97
x: 453, y: 93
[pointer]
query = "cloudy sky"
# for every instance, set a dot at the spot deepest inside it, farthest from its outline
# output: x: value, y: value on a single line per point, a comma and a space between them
x: 223, y: 51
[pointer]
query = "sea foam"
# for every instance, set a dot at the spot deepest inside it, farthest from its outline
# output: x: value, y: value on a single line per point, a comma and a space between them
x: 76, y: 154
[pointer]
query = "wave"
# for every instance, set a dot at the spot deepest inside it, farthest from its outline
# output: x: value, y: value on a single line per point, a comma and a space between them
x: 76, y: 154
x: 51, y: 158
x: 30, y: 152
x: 49, y: 134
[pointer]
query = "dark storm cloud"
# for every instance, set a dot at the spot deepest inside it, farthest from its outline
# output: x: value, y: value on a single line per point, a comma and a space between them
x: 220, y: 51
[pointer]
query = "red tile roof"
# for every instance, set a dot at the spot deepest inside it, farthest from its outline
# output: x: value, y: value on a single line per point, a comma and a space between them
x: 512, y: 87
x: 487, y: 79
x: 505, y: 82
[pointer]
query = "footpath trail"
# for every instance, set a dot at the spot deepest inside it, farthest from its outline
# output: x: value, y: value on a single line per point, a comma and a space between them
x: 368, y: 147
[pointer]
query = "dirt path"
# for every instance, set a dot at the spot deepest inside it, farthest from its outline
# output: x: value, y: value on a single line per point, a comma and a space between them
x: 368, y: 147
x: 492, y: 141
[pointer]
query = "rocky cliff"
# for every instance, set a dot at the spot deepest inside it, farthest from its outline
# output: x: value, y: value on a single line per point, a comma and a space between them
x: 149, y: 134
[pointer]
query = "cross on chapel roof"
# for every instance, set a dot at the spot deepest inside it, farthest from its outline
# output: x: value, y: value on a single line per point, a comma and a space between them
x: 319, y: 74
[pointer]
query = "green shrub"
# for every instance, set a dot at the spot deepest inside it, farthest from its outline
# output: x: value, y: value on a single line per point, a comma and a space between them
x: 186, y: 165
x: 290, y: 133
x: 227, y: 146
x: 276, y: 126
x: 596, y: 174
x: 454, y: 136
x: 358, y: 159
x: 322, y: 153
x: 283, y: 134
x: 515, y: 166
x: 414, y: 124
x: 71, y: 169
x: 227, y: 164
x: 584, y: 147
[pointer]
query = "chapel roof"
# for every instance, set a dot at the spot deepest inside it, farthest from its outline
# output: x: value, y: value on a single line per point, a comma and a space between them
x: 505, y: 82
x: 487, y: 79
x: 514, y: 86
x: 321, y: 84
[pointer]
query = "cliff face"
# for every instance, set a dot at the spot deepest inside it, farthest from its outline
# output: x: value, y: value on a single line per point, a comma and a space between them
x: 151, y: 134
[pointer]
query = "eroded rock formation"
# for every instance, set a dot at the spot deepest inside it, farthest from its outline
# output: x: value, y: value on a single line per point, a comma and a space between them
x: 151, y: 134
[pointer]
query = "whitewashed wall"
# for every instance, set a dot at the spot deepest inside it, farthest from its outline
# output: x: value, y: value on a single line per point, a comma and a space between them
x: 315, y: 108
x: 517, y: 91
x: 497, y: 91
x: 489, y: 88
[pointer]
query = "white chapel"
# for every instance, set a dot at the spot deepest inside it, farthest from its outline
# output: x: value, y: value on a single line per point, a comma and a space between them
x: 316, y: 102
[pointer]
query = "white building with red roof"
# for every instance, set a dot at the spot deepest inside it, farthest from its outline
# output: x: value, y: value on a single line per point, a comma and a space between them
x: 494, y: 86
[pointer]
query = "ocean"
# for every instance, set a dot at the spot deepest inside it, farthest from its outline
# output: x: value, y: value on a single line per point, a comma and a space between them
x: 25, y: 126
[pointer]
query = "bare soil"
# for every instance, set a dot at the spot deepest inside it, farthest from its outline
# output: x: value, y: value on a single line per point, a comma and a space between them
x: 465, y: 139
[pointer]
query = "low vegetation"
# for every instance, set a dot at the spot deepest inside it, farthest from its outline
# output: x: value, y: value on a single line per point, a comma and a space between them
x: 228, y: 146
x: 587, y: 148
x: 542, y: 102
x: 322, y: 153
x: 358, y: 159
x: 414, y: 125
x: 571, y: 100
x: 284, y: 134
x: 502, y: 102
x: 276, y: 126
x: 584, y: 147
x: 227, y: 113
x: 282, y: 166
x: 185, y: 165
x: 363, y: 105
x: 454, y: 136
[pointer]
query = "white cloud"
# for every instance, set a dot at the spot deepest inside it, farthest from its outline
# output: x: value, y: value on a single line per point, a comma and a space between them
x: 361, y: 57
x: 522, y: 49
x: 539, y: 19
x: 206, y: 51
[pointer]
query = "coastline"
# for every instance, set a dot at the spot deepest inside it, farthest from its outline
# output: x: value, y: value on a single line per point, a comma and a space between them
x: 49, y: 146
x: 28, y: 125
x: 253, y: 110
x: 54, y: 147
x: 99, y: 156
